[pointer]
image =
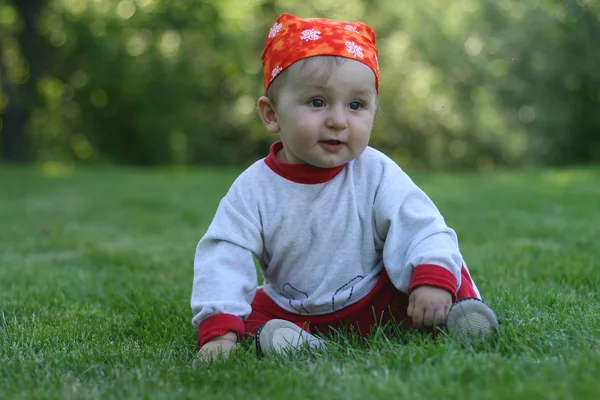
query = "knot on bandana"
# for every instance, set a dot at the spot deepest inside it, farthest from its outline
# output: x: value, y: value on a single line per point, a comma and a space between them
x: 291, y: 39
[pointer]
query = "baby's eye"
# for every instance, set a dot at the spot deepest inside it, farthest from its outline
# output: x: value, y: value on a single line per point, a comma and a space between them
x: 317, y: 103
x: 355, y: 105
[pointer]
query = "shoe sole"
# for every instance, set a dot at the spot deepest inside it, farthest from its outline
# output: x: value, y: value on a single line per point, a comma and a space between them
x: 280, y: 336
x: 471, y: 319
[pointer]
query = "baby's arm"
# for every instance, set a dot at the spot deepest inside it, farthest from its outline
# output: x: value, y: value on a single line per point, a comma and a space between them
x: 420, y: 251
x: 225, y: 278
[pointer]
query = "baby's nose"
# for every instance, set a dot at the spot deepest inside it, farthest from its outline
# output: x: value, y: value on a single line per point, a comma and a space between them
x: 337, y: 119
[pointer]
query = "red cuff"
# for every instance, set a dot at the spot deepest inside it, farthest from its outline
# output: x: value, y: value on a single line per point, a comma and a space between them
x: 218, y: 325
x: 433, y: 275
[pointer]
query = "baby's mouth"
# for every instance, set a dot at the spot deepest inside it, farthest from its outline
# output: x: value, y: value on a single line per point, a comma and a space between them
x: 332, y: 142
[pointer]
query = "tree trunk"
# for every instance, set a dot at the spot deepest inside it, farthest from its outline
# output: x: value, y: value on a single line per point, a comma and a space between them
x: 22, y: 99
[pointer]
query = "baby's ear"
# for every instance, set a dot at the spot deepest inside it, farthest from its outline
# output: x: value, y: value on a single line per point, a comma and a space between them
x: 266, y: 109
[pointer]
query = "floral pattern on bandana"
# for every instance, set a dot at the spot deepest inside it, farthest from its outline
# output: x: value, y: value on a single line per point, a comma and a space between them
x: 310, y: 34
x: 355, y: 50
x: 351, y: 28
x: 275, y: 29
x: 276, y: 72
x: 291, y: 39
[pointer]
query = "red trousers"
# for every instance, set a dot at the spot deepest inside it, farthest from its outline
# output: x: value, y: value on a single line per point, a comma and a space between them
x: 383, y: 303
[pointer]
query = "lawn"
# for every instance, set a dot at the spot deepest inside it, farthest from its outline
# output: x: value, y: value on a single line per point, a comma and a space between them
x: 96, y: 273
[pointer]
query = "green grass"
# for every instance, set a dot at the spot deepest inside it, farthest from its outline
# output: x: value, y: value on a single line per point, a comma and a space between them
x: 96, y: 273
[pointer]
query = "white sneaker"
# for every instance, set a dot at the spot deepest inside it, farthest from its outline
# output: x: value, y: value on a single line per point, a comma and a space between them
x: 281, y: 336
x: 471, y: 319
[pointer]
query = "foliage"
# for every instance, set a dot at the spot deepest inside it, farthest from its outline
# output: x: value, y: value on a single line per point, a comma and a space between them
x: 95, y: 289
x: 468, y: 83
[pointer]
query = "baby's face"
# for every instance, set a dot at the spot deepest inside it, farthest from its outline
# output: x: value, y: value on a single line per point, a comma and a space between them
x: 326, y: 119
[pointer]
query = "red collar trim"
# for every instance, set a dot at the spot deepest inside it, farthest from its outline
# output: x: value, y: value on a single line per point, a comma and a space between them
x: 299, y: 173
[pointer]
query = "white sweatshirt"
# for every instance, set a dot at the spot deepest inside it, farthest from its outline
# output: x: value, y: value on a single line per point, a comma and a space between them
x: 321, y: 246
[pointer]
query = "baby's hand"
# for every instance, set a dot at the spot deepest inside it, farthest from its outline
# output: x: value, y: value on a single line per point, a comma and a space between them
x: 429, y: 306
x: 218, y: 346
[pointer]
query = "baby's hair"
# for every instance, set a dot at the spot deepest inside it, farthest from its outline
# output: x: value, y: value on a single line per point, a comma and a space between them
x: 320, y: 66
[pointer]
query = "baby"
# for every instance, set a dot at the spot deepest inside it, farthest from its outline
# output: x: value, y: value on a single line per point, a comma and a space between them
x: 344, y: 238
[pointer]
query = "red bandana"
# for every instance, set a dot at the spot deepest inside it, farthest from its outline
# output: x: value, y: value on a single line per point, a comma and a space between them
x: 292, y: 39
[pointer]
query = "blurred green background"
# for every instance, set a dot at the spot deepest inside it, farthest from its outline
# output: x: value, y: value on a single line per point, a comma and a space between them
x: 465, y: 83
